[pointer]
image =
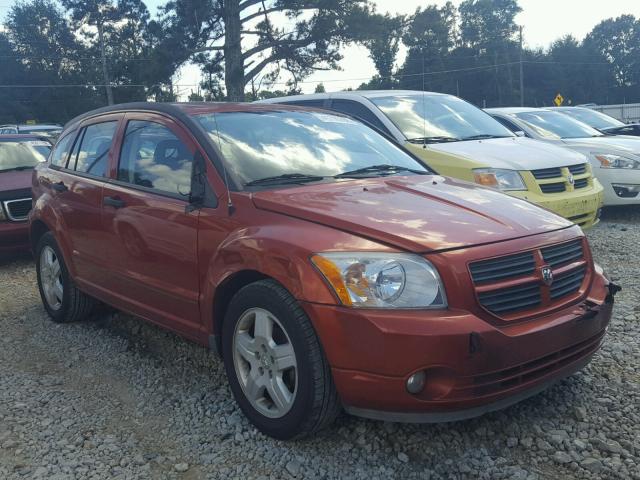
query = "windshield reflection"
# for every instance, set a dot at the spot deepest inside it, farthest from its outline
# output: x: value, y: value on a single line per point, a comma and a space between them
x: 556, y: 125
x: 23, y: 154
x: 419, y: 116
x: 257, y: 145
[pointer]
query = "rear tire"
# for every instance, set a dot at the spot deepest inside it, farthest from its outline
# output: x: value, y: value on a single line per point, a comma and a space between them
x: 61, y: 298
x: 280, y: 379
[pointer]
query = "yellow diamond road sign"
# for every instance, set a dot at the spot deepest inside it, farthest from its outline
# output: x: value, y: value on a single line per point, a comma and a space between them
x: 559, y: 100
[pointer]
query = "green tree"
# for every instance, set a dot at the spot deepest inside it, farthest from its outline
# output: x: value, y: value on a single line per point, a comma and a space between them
x: 430, y: 36
x: 252, y: 43
x: 383, y: 42
x: 46, y: 50
x: 320, y: 88
x: 618, y: 41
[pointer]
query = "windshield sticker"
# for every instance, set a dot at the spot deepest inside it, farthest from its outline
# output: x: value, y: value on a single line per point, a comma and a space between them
x: 38, y: 143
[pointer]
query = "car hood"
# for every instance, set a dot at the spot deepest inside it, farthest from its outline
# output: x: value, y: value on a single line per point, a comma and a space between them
x: 512, y: 153
x: 15, y: 180
x: 621, y: 144
x: 416, y: 213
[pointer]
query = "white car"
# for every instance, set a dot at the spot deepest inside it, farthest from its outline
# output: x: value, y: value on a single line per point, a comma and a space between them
x: 615, y: 159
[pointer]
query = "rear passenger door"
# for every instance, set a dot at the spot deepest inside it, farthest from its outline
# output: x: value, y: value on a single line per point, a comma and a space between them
x: 78, y: 177
x: 152, y: 235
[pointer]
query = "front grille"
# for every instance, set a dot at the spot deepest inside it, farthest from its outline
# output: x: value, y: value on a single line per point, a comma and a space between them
x: 567, y: 283
x: 581, y: 183
x: 513, y: 284
x: 546, y: 173
x: 503, y: 267
x: 562, y: 254
x: 512, y: 299
x: 578, y: 169
x: 552, y: 187
x: 562, y: 177
x: 18, y: 210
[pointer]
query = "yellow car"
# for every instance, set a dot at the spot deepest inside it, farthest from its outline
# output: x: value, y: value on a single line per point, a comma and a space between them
x: 460, y: 140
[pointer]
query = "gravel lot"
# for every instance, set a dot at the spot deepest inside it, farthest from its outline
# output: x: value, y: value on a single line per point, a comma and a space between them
x: 117, y: 398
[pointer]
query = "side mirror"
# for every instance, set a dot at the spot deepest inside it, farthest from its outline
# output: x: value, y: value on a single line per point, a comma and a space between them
x: 520, y: 134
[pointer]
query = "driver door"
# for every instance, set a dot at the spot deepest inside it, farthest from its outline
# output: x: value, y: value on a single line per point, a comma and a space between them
x: 152, y: 235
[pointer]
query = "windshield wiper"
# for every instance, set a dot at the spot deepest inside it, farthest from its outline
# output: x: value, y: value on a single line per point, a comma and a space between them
x: 484, y: 136
x: 13, y: 169
x: 436, y: 139
x: 374, y: 170
x: 285, y: 179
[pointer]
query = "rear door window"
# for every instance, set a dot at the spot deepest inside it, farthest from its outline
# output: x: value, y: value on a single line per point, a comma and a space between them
x: 154, y: 157
x: 91, y: 154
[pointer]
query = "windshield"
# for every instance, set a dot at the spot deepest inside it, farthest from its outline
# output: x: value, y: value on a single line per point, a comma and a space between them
x: 446, y: 117
x: 556, y: 125
x: 18, y: 154
x: 259, y: 145
x: 594, y: 119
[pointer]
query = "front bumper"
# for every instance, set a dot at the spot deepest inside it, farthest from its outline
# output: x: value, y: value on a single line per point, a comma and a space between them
x: 579, y: 206
x: 611, y: 176
x: 14, y: 237
x: 471, y: 366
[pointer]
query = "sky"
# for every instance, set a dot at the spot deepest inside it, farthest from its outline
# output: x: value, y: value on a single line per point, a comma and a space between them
x: 544, y: 21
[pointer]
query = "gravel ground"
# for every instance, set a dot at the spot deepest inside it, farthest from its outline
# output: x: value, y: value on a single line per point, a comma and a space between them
x: 117, y: 398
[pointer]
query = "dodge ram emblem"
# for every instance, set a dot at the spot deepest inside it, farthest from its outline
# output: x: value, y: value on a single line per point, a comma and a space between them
x: 547, y: 276
x: 571, y: 180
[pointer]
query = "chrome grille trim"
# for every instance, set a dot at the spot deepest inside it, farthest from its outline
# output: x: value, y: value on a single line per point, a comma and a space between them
x: 18, y: 210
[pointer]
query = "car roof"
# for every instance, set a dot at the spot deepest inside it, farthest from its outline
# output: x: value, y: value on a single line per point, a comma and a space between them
x: 179, y: 109
x: 22, y: 136
x: 40, y: 126
x: 350, y: 94
x: 515, y: 110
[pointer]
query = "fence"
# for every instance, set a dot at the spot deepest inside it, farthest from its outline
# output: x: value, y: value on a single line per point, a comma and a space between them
x: 627, y: 113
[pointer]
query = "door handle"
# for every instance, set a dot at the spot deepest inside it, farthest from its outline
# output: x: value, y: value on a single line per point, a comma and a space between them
x: 59, y: 187
x: 114, y: 202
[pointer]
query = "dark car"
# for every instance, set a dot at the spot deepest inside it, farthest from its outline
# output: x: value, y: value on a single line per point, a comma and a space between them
x: 19, y: 154
x: 328, y: 265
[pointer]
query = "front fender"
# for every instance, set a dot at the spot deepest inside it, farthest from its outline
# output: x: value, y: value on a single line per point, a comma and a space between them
x: 278, y: 247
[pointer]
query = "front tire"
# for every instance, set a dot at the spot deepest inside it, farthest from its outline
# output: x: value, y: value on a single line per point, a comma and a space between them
x: 61, y: 298
x: 275, y: 364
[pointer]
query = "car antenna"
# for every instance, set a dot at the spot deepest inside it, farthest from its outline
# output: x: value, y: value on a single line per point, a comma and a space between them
x: 424, y: 107
x: 230, y: 207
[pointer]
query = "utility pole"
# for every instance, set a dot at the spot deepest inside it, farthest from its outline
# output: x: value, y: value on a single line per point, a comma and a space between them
x: 521, y: 71
x: 105, y: 71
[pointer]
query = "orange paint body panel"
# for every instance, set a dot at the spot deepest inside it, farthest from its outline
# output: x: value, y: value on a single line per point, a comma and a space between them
x: 159, y: 259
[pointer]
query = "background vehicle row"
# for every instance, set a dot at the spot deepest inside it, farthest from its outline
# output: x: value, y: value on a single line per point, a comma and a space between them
x: 460, y: 140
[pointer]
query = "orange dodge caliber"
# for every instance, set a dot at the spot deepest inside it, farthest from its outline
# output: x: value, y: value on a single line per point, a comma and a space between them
x: 328, y: 266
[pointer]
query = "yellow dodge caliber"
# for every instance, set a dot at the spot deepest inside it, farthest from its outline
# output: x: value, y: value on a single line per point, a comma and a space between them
x: 459, y: 140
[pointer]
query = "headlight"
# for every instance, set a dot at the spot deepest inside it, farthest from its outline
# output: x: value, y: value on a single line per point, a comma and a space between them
x: 382, y: 280
x: 616, y: 161
x: 499, y: 178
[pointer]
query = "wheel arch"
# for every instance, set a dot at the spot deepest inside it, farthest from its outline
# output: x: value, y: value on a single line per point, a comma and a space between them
x: 224, y: 292
x: 37, y: 229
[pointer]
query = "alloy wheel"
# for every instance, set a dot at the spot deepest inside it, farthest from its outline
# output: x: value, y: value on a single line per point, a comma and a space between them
x: 51, y: 278
x: 265, y: 362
